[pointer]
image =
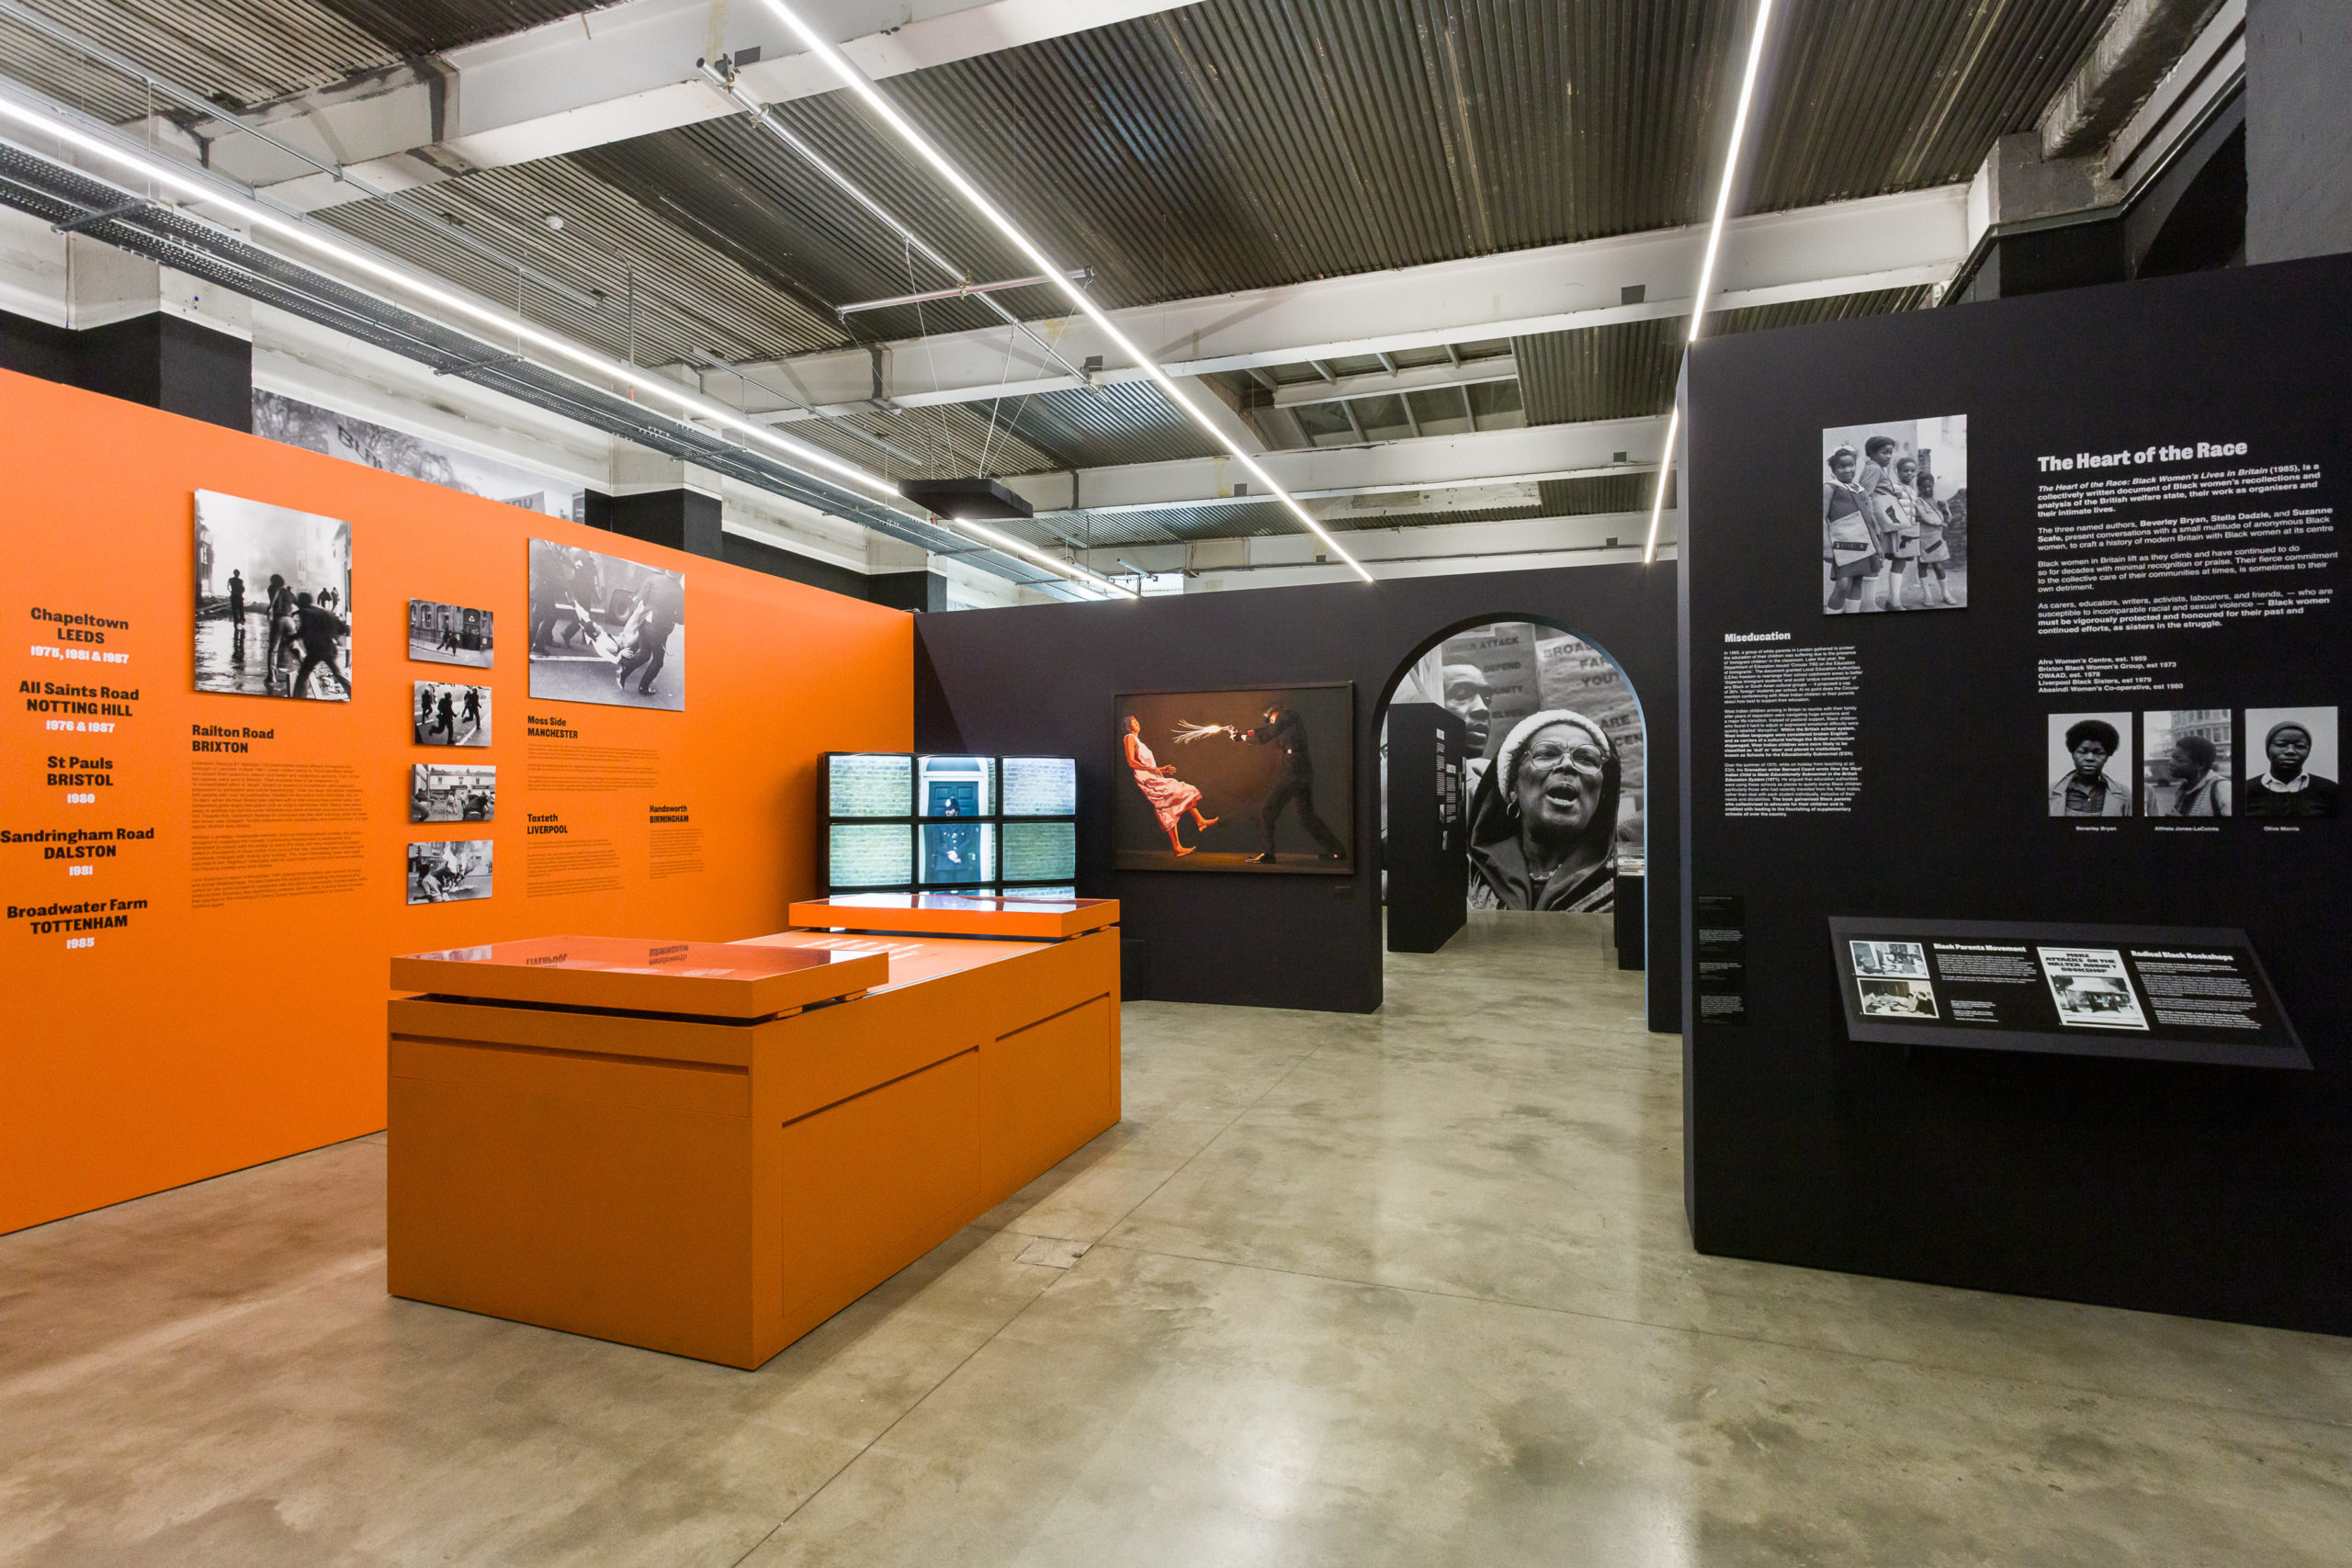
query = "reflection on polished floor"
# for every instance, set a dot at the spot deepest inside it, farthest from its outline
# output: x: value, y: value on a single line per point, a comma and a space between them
x: 1413, y: 1287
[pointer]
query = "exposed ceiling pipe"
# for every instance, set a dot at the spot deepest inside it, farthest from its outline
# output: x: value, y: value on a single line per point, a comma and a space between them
x: 1079, y: 275
x: 767, y: 120
x: 860, y: 84
x: 167, y: 231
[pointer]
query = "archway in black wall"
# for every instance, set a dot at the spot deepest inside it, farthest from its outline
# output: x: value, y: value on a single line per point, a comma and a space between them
x: 1637, y: 920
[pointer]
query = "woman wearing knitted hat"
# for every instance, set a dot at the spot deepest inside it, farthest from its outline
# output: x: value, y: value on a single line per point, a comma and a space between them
x: 1543, y: 826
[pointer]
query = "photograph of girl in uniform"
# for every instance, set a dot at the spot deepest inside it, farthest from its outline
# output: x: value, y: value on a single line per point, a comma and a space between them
x: 440, y: 792
x: 1894, y: 516
x: 1543, y: 820
x: 2297, y: 777
x: 273, y: 600
x: 1897, y: 998
x: 449, y: 715
x: 448, y: 872
x: 448, y: 634
x: 2187, y: 771
x: 2090, y: 757
x: 606, y: 630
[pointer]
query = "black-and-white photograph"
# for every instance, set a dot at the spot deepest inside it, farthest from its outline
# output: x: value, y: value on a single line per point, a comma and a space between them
x: 606, y: 630
x: 435, y: 461
x: 1897, y: 998
x: 1890, y: 960
x: 1548, y: 829
x: 449, y: 713
x: 2187, y: 763
x: 2292, y: 762
x: 1894, y: 516
x: 2091, y: 989
x: 448, y: 872
x: 2091, y: 764
x: 446, y: 792
x: 273, y: 600
x: 449, y: 634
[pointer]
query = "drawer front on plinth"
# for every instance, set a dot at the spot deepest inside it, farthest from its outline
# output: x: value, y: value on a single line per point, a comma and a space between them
x: 1046, y: 1091
x: 605, y: 1198
x: 873, y: 1182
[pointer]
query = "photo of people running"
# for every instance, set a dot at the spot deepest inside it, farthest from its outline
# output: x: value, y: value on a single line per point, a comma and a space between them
x: 273, y: 600
x: 606, y: 630
x: 1261, y: 781
x: 449, y: 634
x: 1894, y: 516
x: 448, y: 872
x: 450, y: 714
x: 441, y: 792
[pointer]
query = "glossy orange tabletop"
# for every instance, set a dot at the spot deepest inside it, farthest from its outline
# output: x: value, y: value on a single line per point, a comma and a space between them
x: 705, y: 979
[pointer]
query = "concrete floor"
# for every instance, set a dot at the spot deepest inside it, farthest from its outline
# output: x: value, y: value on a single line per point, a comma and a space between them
x: 1408, y: 1289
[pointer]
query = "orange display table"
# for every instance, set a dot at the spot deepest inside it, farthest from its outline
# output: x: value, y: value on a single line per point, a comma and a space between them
x: 710, y: 1148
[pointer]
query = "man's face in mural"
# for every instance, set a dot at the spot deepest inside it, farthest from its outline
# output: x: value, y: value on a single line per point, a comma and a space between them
x: 1466, y: 696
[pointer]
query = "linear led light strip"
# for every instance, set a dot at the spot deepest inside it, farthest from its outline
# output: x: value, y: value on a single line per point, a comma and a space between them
x: 54, y: 122
x: 1707, y: 266
x: 857, y: 81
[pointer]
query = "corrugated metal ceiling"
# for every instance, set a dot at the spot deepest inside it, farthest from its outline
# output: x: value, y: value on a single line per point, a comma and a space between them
x: 1221, y: 146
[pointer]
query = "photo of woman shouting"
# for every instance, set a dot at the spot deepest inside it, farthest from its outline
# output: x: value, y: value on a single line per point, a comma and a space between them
x: 1544, y: 824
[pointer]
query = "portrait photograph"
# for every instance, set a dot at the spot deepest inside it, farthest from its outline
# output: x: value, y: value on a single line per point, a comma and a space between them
x: 450, y: 872
x: 1894, y: 516
x: 606, y: 630
x: 1254, y: 780
x: 449, y: 634
x: 273, y: 600
x: 448, y: 792
x: 2089, y: 765
x: 2187, y: 768
x: 447, y: 713
x: 2291, y: 765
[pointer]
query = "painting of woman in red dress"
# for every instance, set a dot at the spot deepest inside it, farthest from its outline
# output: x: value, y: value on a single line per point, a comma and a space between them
x: 1171, y: 796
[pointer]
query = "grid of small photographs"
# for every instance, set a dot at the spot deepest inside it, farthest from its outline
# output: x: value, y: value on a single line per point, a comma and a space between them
x: 2194, y: 765
x: 454, y: 714
x: 1892, y: 979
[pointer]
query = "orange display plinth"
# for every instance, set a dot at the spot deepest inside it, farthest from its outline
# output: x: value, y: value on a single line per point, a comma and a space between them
x: 687, y: 1178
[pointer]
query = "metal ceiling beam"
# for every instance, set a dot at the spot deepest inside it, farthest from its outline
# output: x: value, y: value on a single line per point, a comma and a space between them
x: 1416, y: 378
x: 1437, y: 462
x: 1847, y: 247
x: 606, y: 75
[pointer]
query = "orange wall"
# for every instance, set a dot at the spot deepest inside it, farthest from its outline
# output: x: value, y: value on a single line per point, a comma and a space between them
x: 189, y: 1042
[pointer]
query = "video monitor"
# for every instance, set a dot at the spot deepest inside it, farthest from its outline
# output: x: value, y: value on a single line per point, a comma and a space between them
x: 869, y: 784
x: 957, y: 854
x: 1040, y: 851
x: 869, y: 854
x: 1040, y: 787
x: 955, y: 786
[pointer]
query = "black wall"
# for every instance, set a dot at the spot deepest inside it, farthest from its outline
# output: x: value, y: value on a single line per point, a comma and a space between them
x: 163, y: 361
x: 1040, y: 679
x: 1429, y: 859
x: 2213, y: 1192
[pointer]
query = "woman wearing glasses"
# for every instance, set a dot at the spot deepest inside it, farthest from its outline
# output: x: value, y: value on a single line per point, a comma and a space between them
x: 1544, y: 827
